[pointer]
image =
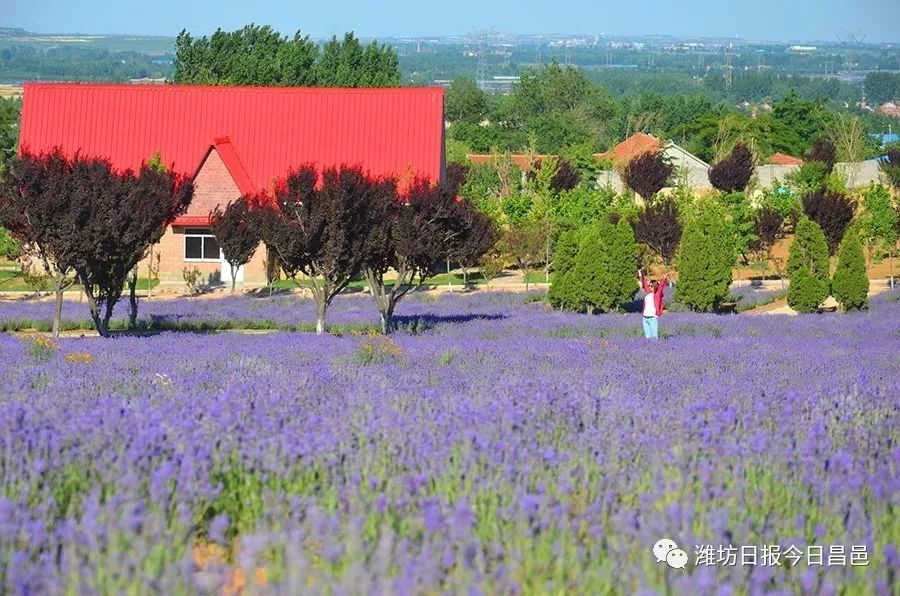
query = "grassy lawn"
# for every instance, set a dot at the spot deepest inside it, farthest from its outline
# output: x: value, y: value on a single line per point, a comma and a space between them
x: 538, y: 277
x: 441, y: 279
x: 11, y: 281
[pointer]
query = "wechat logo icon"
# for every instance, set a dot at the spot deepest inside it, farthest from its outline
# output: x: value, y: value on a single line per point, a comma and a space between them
x: 665, y: 550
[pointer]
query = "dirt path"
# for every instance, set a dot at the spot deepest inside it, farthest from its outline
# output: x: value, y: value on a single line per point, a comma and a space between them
x: 780, y: 307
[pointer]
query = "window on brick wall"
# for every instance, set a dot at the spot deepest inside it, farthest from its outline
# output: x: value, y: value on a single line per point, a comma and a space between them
x: 200, y: 245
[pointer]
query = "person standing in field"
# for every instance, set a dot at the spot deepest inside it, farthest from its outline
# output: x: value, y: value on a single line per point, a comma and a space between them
x: 653, y: 303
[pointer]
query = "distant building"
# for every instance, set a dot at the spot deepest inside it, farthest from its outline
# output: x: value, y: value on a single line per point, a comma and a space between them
x: 10, y: 91
x: 783, y: 159
x: 630, y: 148
x: 890, y: 109
x: 148, y: 81
x: 498, y: 84
x: 887, y: 138
x: 641, y: 142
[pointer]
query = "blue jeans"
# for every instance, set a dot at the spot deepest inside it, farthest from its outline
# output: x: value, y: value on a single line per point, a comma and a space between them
x: 651, y: 327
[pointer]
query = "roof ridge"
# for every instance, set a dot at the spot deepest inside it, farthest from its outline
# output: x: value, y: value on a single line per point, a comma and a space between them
x: 137, y: 88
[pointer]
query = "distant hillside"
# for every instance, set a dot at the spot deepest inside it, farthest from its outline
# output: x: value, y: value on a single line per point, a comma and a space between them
x: 14, y: 32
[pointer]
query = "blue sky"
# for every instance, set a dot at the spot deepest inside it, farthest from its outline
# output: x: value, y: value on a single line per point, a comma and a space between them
x: 750, y: 19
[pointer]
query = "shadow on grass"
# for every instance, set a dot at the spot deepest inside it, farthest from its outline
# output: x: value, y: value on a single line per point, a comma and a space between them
x: 420, y: 323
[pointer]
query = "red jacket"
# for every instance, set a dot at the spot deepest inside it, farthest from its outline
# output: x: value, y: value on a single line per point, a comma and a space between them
x: 658, y: 296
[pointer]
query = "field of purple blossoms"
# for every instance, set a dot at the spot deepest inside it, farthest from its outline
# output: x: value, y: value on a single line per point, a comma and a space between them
x: 500, y: 448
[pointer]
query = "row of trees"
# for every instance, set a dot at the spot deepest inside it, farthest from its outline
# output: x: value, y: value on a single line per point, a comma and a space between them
x: 707, y: 236
x: 81, y: 219
x: 595, y: 267
x: 259, y: 55
x: 810, y: 272
x: 324, y: 230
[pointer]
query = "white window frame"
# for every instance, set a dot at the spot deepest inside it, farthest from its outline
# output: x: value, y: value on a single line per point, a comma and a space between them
x: 195, y: 233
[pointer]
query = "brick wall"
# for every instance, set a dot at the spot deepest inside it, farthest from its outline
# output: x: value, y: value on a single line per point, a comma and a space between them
x: 213, y: 186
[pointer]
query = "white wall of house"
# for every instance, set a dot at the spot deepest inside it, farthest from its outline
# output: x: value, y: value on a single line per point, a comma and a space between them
x: 858, y: 175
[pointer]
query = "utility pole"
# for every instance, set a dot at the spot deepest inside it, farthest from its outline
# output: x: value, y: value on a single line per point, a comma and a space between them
x: 728, y: 67
x: 481, y: 67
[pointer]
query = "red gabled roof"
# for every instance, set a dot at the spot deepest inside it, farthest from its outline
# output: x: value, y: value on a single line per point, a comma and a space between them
x: 783, y: 159
x: 260, y: 132
x: 631, y: 147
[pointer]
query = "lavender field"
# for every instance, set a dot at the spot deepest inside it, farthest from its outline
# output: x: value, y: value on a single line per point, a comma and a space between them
x: 494, y: 446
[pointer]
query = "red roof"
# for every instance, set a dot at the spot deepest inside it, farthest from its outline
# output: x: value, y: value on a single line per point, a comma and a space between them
x: 197, y: 221
x: 260, y: 132
x: 783, y: 159
x: 631, y: 147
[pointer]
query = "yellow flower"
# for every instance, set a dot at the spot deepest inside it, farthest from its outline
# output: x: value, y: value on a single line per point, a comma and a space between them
x: 81, y: 357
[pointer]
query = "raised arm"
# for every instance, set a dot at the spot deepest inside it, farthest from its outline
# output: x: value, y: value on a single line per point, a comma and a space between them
x: 662, y: 284
x: 643, y: 281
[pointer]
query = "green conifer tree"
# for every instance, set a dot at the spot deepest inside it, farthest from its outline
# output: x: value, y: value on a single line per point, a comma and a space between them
x: 562, y: 291
x: 603, y: 276
x: 621, y: 265
x: 587, y: 274
x: 807, y: 267
x: 850, y: 285
x: 705, y: 259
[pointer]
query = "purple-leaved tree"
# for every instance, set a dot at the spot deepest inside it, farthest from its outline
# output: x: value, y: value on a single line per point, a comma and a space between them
x: 647, y: 174
x: 318, y: 226
x: 236, y: 232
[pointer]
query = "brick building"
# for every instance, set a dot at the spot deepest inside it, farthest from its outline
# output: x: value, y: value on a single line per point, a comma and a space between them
x: 235, y: 141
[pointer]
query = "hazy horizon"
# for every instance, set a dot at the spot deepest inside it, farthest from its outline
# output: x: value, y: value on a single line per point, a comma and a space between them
x: 768, y: 20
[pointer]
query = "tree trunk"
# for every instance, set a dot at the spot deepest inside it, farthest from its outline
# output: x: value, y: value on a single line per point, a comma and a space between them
x: 150, y: 273
x: 320, y: 315
x: 233, y: 276
x: 57, y: 311
x: 387, y: 321
x: 95, y: 311
x: 106, y: 317
x: 547, y: 260
x: 891, y: 267
x: 465, y: 277
x: 132, y: 299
